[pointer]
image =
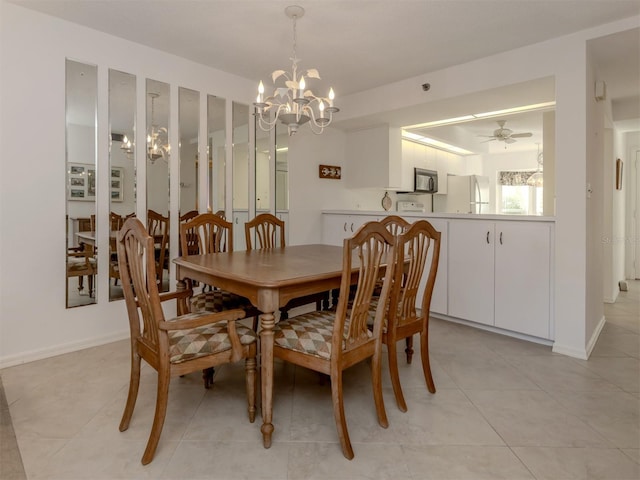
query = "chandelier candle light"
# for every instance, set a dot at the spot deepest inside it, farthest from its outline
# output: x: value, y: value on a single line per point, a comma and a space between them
x: 292, y: 104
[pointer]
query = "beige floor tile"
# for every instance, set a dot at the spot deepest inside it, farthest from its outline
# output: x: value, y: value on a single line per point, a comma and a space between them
x: 464, y: 463
x: 322, y: 461
x: 534, y: 418
x: 578, y: 463
x: 227, y: 460
x: 444, y: 418
x: 622, y: 372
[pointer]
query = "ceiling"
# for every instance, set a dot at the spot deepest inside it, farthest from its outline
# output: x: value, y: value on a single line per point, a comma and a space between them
x: 360, y: 44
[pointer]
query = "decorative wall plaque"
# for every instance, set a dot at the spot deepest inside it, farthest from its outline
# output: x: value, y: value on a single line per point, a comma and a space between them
x: 330, y: 171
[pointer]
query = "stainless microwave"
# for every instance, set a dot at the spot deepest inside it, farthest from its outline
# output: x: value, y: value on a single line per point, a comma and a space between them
x: 425, y: 181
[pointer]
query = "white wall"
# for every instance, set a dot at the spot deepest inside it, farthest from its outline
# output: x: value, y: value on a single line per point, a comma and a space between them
x: 33, y: 48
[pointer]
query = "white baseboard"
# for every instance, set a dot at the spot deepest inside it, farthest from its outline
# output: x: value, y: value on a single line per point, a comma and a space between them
x: 569, y: 351
x: 596, y: 334
x: 33, y: 355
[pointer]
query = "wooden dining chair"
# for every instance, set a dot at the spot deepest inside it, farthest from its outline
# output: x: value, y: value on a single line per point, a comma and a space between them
x: 188, y: 216
x: 331, y: 341
x: 158, y: 228
x: 178, y: 346
x: 269, y: 232
x: 268, y: 229
x: 209, y: 233
x: 418, y: 252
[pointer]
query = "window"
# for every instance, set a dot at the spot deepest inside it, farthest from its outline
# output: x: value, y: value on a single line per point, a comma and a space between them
x: 515, y: 197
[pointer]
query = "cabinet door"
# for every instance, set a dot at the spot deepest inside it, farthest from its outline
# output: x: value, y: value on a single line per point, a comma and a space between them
x: 240, y: 217
x: 334, y: 228
x: 439, y: 296
x: 522, y: 277
x: 471, y: 274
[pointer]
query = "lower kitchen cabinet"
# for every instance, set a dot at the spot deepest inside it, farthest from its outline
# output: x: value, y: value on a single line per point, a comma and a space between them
x: 336, y: 227
x: 500, y: 274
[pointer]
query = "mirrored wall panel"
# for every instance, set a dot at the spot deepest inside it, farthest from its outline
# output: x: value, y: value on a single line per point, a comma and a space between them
x: 216, y: 151
x: 189, y: 125
x: 282, y: 176
x: 122, y: 168
x: 240, y: 173
x: 157, y: 158
x: 81, y: 134
x: 263, y: 172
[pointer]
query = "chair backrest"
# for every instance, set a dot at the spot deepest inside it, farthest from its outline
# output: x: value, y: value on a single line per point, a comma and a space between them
x: 414, y: 247
x: 395, y: 224
x: 158, y: 228
x: 115, y: 221
x: 365, y: 253
x: 206, y: 233
x: 222, y: 214
x: 269, y: 231
x: 188, y: 216
x: 138, y: 272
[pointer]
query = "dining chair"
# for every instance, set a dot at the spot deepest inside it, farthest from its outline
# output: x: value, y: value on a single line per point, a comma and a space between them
x: 331, y: 341
x: 81, y: 262
x: 269, y: 232
x: 189, y: 215
x: 268, y: 229
x: 158, y: 228
x: 177, y: 346
x: 209, y: 233
x: 416, y: 248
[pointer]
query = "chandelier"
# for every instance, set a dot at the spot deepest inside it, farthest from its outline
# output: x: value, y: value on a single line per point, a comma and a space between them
x: 293, y: 104
x: 537, y: 179
x: 157, y: 139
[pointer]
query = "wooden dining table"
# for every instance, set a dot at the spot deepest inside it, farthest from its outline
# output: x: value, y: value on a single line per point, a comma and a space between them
x: 269, y: 279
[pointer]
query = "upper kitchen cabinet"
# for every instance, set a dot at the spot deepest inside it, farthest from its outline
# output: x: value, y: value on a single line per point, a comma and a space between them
x: 375, y: 159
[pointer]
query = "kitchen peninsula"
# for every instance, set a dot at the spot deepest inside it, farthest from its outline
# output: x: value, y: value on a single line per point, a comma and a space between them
x: 495, y: 271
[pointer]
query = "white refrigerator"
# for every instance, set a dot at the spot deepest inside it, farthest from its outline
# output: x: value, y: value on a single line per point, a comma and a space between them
x: 467, y: 194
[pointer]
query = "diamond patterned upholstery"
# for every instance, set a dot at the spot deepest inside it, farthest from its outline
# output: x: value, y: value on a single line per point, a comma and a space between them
x: 201, y: 341
x: 217, y: 301
x: 309, y: 333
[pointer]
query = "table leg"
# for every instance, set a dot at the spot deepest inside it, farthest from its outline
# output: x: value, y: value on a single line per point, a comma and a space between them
x: 267, y: 322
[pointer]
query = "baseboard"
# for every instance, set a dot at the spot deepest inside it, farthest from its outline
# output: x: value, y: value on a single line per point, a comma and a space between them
x: 34, y: 355
x: 596, y: 334
x: 582, y: 354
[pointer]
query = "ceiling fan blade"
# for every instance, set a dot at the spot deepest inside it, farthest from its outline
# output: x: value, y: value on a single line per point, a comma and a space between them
x: 521, y: 135
x: 509, y: 140
x: 490, y: 140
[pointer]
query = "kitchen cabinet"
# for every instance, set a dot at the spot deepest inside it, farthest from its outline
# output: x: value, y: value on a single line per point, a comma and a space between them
x: 500, y: 274
x: 240, y: 217
x: 375, y: 159
x: 439, y: 295
x: 336, y: 227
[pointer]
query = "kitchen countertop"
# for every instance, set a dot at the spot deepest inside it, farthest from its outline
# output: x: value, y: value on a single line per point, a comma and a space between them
x: 471, y: 216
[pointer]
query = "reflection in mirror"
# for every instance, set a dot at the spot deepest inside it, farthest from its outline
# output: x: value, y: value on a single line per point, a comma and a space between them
x: 282, y: 176
x: 189, y: 125
x: 158, y: 175
x: 122, y: 120
x: 240, y: 173
x: 81, y: 132
x: 216, y: 138
x: 263, y: 177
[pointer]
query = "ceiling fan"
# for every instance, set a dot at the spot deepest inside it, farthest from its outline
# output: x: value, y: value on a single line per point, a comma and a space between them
x: 505, y: 135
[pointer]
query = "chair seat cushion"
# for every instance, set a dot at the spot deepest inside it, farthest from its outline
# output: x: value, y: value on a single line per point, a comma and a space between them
x: 206, y: 340
x: 308, y: 333
x: 217, y: 301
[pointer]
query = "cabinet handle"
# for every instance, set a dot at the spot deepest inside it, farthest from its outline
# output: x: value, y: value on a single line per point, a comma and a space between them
x: 344, y: 227
x: 500, y: 238
x: 487, y: 237
x: 236, y: 220
x: 351, y: 227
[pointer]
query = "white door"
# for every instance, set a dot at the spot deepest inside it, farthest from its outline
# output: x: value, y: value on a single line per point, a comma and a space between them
x: 471, y: 275
x: 522, y: 277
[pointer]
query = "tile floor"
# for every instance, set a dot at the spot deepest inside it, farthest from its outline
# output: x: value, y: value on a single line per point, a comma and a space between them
x: 504, y: 409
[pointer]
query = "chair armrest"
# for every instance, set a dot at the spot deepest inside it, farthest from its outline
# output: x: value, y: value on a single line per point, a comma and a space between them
x: 174, y: 295
x: 187, y: 323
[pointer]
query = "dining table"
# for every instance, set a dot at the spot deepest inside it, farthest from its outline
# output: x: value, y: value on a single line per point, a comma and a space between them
x: 269, y: 278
